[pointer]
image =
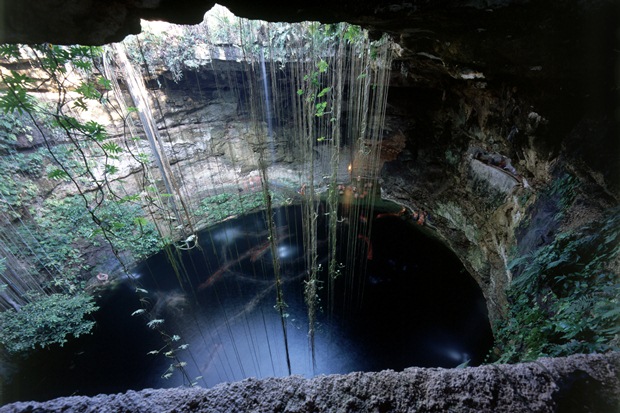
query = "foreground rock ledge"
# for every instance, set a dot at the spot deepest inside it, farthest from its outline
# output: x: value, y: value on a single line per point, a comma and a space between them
x: 580, y: 383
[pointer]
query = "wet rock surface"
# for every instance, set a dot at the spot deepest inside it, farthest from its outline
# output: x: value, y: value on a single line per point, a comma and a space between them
x: 580, y: 383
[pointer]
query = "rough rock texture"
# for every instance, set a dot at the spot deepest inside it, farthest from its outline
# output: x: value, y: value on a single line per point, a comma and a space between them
x: 573, y: 384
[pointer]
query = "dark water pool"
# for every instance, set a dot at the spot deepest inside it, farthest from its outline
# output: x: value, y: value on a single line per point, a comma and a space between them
x: 408, y: 303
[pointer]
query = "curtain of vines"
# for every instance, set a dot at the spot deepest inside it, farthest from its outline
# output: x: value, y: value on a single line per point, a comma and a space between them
x: 318, y: 91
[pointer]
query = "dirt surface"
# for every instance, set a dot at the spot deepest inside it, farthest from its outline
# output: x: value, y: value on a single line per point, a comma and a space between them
x: 580, y: 383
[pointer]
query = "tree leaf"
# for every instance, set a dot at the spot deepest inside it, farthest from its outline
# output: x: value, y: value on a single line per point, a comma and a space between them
x: 58, y: 174
x: 154, y: 323
x: 323, y: 92
x: 8, y: 51
x: 112, y: 147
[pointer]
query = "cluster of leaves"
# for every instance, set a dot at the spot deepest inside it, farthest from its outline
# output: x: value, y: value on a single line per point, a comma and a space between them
x: 85, y: 148
x: 171, y: 346
x: 74, y: 149
x: 46, y: 320
x: 313, y: 95
x: 2, y: 270
x: 18, y: 169
x: 176, y: 48
x: 175, y: 52
x: 54, y: 60
x: 64, y: 227
x: 290, y: 41
x: 565, y: 297
x: 216, y: 208
x: 11, y: 127
x: 564, y: 190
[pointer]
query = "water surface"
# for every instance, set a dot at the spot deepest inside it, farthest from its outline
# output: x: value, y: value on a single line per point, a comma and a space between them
x: 402, y: 300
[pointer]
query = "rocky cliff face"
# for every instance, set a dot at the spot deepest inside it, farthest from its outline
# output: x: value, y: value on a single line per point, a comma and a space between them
x: 480, y: 151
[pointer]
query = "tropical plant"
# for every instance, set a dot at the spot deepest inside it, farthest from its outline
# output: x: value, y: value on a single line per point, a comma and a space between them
x: 45, y: 321
x: 565, y: 297
x: 46, y: 248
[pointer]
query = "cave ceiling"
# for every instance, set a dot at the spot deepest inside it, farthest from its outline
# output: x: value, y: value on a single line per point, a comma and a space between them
x: 501, y: 34
x: 568, y: 43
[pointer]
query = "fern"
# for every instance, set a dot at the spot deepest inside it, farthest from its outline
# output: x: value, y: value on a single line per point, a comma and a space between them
x: 562, y: 299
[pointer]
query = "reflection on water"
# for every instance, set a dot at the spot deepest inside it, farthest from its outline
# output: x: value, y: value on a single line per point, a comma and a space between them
x: 413, y: 305
x: 227, y: 235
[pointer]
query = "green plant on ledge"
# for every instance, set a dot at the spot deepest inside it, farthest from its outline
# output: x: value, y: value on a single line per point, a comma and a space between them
x: 45, y: 321
x: 216, y: 208
x: 565, y: 297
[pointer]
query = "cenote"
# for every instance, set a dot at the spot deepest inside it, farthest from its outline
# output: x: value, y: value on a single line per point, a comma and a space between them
x: 302, y: 268
x: 401, y: 299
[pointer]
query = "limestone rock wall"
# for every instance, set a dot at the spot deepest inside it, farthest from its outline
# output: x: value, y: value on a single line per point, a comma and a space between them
x: 573, y: 384
x: 480, y: 152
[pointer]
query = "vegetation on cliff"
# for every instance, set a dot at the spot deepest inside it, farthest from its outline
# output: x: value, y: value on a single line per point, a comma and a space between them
x: 565, y: 295
x: 48, y: 241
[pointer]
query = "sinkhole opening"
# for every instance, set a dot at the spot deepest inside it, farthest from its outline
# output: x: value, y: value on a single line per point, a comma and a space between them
x: 400, y: 299
x: 202, y: 127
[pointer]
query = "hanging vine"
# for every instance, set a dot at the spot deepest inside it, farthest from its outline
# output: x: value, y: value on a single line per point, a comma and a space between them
x: 73, y: 74
x: 309, y: 92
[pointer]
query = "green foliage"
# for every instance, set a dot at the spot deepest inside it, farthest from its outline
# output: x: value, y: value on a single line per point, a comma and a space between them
x: 312, y: 92
x: 45, y: 321
x: 66, y: 233
x: 9, y: 51
x: 564, y: 190
x: 323, y: 92
x: 353, y: 33
x: 181, y: 48
x: 174, y: 50
x: 112, y: 148
x: 565, y: 296
x: 122, y: 220
x: 322, y: 66
x: 17, y: 169
x: 61, y: 239
x: 16, y: 98
x: 2, y: 270
x: 320, y: 108
x: 219, y: 207
x: 59, y: 226
x: 12, y: 125
x: 23, y: 112
x: 88, y: 90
